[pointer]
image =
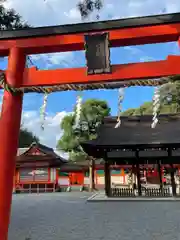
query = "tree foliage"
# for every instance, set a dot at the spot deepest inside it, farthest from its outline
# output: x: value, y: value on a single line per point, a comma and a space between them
x: 11, y: 20
x: 169, y: 99
x: 170, y: 93
x: 86, y: 7
x: 26, y: 138
x: 92, y: 113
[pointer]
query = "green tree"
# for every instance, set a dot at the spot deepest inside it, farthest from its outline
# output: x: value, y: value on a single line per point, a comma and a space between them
x: 169, y: 99
x: 9, y: 19
x: 86, y: 7
x: 92, y: 113
x: 145, y: 108
x: 26, y: 138
x: 170, y: 93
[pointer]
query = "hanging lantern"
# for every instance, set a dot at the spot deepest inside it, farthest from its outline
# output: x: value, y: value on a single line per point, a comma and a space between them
x: 120, y: 101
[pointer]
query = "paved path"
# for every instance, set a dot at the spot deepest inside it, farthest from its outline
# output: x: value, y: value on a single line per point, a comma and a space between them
x: 68, y: 216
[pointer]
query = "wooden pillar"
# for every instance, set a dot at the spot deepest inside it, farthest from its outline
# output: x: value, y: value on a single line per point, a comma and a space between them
x: 91, y: 175
x: 57, y: 176
x: 107, y: 176
x: 14, y: 183
x: 160, y: 174
x: 134, y: 176
x: 9, y: 137
x: 138, y: 175
x: 49, y: 174
x: 173, y: 183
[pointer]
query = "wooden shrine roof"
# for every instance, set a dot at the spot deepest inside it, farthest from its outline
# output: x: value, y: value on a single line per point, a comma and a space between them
x: 38, y: 153
x: 92, y: 26
x: 79, y: 165
x: 136, y: 131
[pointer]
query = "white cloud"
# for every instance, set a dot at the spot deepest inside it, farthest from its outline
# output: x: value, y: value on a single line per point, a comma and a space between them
x: 32, y: 121
x: 146, y: 59
x: 73, y: 14
x: 52, y: 131
x: 46, y: 13
x: 64, y: 59
x: 133, y: 50
x: 55, y: 12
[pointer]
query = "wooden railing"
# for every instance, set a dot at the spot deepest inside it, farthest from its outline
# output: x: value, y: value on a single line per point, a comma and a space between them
x: 156, y: 192
x: 35, y: 188
x: 146, y: 192
x: 122, y: 192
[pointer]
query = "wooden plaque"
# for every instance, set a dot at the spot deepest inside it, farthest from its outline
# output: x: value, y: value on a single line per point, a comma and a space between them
x: 97, y: 53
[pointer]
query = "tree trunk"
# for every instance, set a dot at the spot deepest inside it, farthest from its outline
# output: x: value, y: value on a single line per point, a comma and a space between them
x: 91, y: 175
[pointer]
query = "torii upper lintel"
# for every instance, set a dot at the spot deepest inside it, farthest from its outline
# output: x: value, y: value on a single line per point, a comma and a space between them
x: 123, y: 32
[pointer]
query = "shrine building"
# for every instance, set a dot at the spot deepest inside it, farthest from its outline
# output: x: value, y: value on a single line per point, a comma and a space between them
x: 42, y: 169
x: 137, y: 144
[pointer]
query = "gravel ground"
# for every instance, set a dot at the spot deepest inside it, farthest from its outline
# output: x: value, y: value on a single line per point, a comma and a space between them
x: 67, y: 216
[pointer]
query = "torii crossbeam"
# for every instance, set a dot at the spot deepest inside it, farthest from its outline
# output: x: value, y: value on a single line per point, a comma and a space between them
x: 17, y: 44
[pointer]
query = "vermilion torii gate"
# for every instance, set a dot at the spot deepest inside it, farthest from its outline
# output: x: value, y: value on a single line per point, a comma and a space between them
x: 18, y: 44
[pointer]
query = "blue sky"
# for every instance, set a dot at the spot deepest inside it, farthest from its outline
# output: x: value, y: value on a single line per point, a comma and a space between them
x: 134, y: 96
x: 61, y: 12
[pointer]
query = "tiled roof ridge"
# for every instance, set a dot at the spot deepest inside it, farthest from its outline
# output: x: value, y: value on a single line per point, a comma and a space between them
x: 54, y: 151
x: 146, y: 117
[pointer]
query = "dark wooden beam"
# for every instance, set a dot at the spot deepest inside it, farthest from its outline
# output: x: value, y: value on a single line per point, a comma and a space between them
x: 160, y: 174
x: 138, y: 175
x: 173, y: 183
x: 92, y: 26
x: 107, y: 176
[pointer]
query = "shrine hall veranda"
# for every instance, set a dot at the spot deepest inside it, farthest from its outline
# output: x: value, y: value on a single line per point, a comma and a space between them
x: 135, y: 143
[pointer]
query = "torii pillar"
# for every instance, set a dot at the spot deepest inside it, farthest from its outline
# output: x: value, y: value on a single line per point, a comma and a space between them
x: 9, y: 136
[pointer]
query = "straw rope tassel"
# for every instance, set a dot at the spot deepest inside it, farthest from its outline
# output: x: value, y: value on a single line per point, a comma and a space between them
x: 43, y: 110
x: 78, y: 111
x: 156, y: 107
x: 120, y: 100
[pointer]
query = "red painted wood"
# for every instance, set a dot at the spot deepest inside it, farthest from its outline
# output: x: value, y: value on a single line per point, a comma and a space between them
x: 49, y: 174
x: 9, y: 128
x: 76, y: 178
x: 57, y: 176
x: 122, y: 72
x: 74, y: 42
